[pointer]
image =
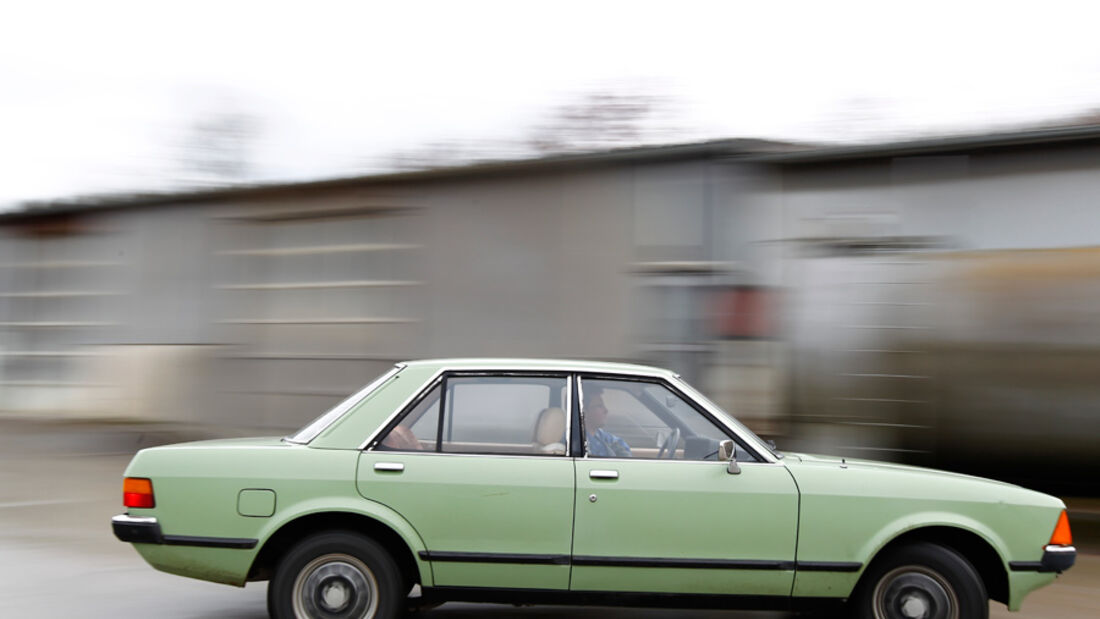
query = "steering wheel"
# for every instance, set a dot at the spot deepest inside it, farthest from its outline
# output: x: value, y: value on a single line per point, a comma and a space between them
x: 670, y: 444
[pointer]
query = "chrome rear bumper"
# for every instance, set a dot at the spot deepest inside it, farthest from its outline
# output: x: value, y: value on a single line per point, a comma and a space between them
x: 136, y: 529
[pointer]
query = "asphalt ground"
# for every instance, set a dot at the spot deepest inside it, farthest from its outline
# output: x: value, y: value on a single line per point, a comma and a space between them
x: 60, y: 483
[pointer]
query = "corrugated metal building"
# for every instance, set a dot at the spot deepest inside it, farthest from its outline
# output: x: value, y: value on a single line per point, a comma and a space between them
x: 833, y: 289
x: 259, y: 307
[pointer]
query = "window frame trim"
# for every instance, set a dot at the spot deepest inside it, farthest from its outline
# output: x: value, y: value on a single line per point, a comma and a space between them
x: 666, y: 377
x: 441, y: 379
x: 715, y: 420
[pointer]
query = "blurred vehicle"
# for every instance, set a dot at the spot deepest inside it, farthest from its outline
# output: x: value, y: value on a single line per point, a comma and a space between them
x: 477, y: 480
x: 979, y: 362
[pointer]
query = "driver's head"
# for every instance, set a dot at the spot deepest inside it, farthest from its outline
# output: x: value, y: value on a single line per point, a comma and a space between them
x: 595, y: 412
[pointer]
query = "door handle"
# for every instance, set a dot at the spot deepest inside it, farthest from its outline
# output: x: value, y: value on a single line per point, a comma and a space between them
x: 389, y: 467
x: 603, y: 474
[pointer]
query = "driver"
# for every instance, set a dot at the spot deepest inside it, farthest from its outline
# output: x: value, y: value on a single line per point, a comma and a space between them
x: 601, y: 443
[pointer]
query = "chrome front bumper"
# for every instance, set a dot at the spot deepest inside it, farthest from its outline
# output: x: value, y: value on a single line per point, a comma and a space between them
x: 1056, y: 559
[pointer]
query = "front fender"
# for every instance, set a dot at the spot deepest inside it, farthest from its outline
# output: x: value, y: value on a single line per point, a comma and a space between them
x: 894, y: 529
x: 841, y: 584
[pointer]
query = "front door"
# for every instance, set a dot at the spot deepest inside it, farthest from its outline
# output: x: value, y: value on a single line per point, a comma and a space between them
x: 487, y: 484
x: 658, y: 513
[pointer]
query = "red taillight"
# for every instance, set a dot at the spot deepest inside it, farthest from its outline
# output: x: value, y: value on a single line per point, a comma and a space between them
x: 1062, y: 535
x: 137, y: 492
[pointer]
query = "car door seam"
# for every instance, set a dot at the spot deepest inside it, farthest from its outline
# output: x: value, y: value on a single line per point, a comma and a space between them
x: 797, y: 526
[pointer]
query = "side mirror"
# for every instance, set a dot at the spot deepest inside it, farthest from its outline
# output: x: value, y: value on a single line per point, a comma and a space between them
x: 726, y: 450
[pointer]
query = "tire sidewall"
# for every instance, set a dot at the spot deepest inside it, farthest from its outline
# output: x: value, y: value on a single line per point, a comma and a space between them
x: 280, y: 589
x: 952, y: 566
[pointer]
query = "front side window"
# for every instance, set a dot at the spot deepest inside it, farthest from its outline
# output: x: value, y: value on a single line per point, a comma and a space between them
x: 488, y: 415
x: 636, y: 419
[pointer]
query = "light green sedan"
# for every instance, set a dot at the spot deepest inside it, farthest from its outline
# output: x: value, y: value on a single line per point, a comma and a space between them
x: 507, y: 480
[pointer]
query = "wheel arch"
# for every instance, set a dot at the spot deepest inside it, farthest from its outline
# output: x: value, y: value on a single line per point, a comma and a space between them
x: 293, y: 530
x: 975, y: 548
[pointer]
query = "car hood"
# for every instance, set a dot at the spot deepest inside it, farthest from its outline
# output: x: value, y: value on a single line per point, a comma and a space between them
x: 857, y: 463
x: 820, y: 474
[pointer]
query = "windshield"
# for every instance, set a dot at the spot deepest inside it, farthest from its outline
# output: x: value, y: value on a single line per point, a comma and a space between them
x: 315, y: 427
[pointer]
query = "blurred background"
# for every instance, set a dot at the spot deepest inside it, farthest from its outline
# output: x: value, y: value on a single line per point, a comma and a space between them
x: 864, y: 233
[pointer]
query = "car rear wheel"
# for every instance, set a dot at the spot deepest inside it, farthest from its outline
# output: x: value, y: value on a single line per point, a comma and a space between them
x: 921, y: 581
x: 336, y: 575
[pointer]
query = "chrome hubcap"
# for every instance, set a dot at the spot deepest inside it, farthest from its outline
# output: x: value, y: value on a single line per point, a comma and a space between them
x: 915, y: 592
x: 335, y: 595
x: 335, y: 586
x: 914, y: 606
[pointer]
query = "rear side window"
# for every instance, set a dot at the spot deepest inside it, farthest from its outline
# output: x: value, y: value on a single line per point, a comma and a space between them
x: 488, y: 415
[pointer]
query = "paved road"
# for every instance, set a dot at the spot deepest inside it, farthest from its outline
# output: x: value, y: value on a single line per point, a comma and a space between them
x: 59, y: 559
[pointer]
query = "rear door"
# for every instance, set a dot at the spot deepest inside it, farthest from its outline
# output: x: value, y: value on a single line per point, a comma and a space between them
x: 463, y: 465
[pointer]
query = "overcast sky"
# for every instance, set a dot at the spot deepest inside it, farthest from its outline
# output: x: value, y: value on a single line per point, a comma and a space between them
x: 99, y: 96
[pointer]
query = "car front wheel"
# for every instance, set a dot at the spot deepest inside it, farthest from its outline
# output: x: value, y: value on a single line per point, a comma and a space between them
x: 336, y: 575
x: 921, y: 581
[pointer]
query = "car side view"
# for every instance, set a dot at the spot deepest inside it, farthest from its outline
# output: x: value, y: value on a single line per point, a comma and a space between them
x: 572, y: 482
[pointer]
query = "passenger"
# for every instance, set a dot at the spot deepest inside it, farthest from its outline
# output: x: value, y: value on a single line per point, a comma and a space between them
x: 401, y: 438
x: 601, y: 443
x: 550, y: 431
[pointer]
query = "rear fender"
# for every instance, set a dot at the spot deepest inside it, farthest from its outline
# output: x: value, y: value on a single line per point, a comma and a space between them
x: 356, y: 506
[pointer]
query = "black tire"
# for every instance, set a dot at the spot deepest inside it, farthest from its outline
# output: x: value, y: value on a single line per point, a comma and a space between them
x: 336, y: 575
x: 921, y: 580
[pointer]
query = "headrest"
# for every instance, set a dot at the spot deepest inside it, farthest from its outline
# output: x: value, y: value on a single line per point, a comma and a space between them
x: 550, y: 426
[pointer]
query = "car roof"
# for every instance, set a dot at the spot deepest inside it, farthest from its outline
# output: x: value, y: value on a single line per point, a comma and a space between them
x: 558, y: 365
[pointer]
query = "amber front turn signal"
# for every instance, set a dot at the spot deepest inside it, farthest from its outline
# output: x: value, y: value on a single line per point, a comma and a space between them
x: 1062, y: 535
x: 137, y: 492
